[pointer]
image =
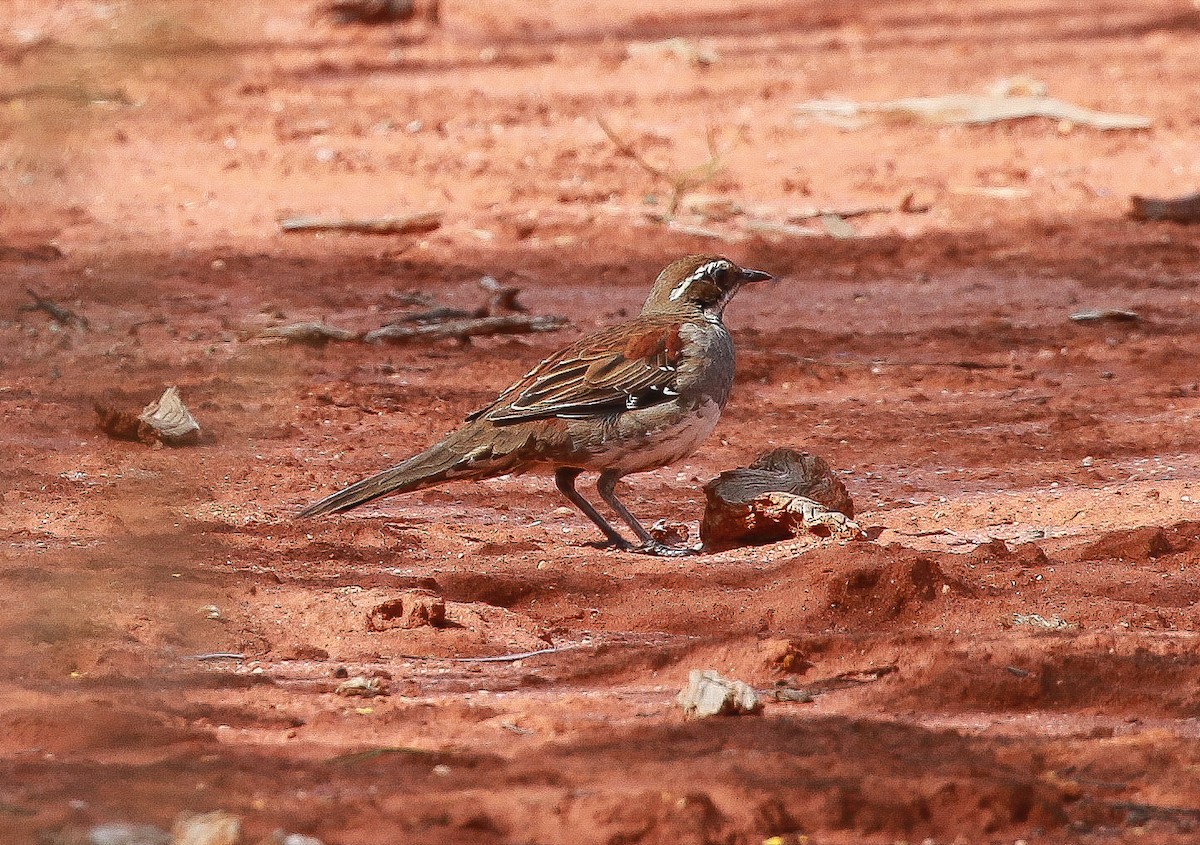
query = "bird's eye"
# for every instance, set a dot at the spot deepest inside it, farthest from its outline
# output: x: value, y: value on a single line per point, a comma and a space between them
x: 720, y: 275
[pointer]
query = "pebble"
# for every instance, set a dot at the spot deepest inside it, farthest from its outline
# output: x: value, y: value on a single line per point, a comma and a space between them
x: 215, y: 828
x: 120, y: 833
x: 708, y: 694
x: 362, y: 687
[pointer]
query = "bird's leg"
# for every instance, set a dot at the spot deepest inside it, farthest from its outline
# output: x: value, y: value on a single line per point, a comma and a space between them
x: 564, y: 479
x: 607, y: 487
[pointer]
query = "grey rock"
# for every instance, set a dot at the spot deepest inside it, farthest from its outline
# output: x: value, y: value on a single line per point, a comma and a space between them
x: 708, y: 694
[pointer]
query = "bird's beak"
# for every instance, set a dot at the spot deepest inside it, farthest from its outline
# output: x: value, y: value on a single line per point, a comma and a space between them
x: 755, y: 276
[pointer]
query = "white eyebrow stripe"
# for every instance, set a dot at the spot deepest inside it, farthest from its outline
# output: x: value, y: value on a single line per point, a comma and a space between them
x: 699, y: 273
x: 680, y: 288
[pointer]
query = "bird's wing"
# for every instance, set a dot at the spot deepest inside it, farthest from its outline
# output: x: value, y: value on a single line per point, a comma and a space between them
x: 614, y: 370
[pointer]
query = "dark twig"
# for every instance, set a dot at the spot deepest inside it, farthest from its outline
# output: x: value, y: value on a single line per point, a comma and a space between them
x: 217, y: 655
x: 370, y: 11
x: 1181, y: 210
x: 355, y: 757
x: 499, y: 658
x: 1138, y: 813
x: 464, y: 329
x: 62, y: 316
x: 71, y: 93
x: 879, y: 362
x: 844, y: 213
x: 845, y: 680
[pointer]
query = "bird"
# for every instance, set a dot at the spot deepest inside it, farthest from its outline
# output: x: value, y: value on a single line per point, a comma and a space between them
x: 629, y: 398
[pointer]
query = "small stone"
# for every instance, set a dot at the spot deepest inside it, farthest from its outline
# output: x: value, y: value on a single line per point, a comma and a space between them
x: 215, y: 828
x: 362, y: 687
x: 708, y: 694
x: 301, y: 839
x: 1088, y: 461
x: 119, y: 833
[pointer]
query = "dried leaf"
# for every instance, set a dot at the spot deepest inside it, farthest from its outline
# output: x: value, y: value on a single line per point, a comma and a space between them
x: 170, y: 419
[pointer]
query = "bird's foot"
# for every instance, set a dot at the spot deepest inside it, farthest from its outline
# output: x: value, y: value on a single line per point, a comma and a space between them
x: 619, y: 545
x: 653, y: 547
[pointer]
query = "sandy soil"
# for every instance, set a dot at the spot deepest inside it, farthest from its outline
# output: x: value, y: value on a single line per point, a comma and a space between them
x: 1015, y: 656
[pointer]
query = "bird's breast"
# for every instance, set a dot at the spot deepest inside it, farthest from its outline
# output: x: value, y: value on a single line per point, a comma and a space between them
x: 651, y: 438
x: 707, y: 362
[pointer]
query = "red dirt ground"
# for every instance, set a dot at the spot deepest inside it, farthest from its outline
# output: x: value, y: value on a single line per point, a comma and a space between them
x: 1018, y: 463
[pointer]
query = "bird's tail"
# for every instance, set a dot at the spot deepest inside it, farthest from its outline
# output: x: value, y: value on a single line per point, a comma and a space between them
x: 453, y: 458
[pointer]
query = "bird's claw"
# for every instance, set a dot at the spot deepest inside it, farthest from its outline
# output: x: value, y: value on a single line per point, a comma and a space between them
x: 657, y: 549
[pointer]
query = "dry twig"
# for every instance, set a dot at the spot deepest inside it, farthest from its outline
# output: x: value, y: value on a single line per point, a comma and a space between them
x: 844, y: 680
x: 217, y: 655
x: 970, y: 109
x: 310, y: 333
x: 499, y: 658
x: 1112, y: 315
x: 463, y: 329
x: 77, y: 94
x: 404, y: 224
x: 680, y: 181
x: 374, y: 12
x: 789, y: 230
x: 502, y: 313
x: 62, y: 316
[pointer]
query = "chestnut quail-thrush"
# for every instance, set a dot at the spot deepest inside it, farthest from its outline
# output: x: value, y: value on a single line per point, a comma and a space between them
x: 630, y: 398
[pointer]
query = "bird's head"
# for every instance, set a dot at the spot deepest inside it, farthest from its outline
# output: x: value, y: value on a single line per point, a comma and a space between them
x: 706, y: 282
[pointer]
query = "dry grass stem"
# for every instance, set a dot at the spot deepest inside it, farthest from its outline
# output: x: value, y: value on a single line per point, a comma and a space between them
x: 681, y: 182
